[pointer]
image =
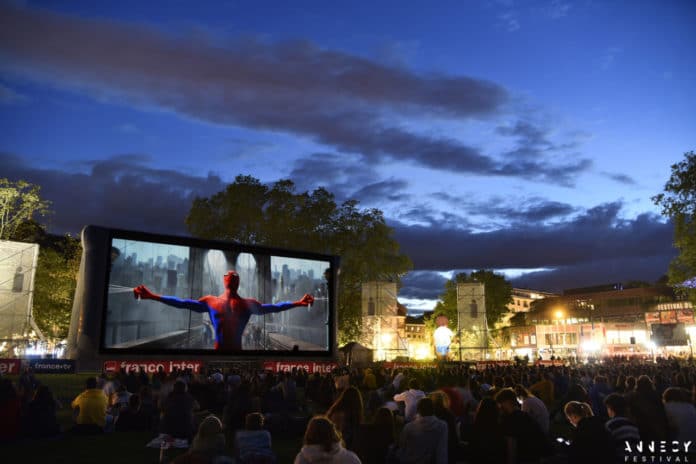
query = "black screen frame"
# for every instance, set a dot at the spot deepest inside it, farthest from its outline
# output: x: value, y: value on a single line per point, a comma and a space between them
x: 334, y: 263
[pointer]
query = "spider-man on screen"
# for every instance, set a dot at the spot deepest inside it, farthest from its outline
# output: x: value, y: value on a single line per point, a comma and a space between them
x: 228, y: 312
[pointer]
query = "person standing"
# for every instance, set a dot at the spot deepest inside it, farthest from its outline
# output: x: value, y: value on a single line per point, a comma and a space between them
x: 525, y: 442
x: 423, y: 440
x: 410, y: 398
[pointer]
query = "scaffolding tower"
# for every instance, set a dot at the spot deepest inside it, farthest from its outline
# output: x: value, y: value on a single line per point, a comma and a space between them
x: 18, y: 262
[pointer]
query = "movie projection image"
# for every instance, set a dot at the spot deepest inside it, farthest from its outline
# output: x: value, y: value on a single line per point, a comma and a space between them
x: 189, y: 320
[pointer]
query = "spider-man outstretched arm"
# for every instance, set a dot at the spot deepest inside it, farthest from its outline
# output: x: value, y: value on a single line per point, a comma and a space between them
x: 198, y: 306
x: 306, y: 300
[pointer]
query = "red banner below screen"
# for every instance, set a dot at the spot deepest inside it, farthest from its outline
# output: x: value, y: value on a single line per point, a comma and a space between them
x: 10, y: 366
x: 310, y: 366
x: 152, y: 367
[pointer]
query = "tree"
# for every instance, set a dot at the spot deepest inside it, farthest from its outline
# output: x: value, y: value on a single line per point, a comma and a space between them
x: 250, y: 212
x: 678, y: 202
x: 19, y: 202
x: 498, y: 296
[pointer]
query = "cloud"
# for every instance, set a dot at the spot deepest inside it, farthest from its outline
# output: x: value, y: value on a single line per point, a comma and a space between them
x: 594, y: 235
x: 593, y: 246
x: 128, y: 128
x: 509, y: 21
x: 333, y: 98
x: 620, y: 178
x: 508, y: 210
x: 600, y: 271
x: 558, y: 9
x: 608, y: 57
x: 122, y: 191
x: 9, y: 96
x: 390, y: 189
x: 422, y: 285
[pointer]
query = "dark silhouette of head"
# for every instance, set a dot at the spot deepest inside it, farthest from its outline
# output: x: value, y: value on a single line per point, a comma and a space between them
x: 254, y: 421
x: 425, y: 407
x: 616, y: 405
x: 321, y: 431
x: 231, y: 281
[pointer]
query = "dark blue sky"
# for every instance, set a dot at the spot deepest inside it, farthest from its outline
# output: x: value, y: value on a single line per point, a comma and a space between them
x: 519, y: 136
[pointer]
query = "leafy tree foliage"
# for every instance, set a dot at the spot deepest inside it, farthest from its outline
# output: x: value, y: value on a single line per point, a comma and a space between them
x: 250, y: 212
x: 19, y: 202
x: 56, y: 277
x: 498, y: 296
x: 678, y: 202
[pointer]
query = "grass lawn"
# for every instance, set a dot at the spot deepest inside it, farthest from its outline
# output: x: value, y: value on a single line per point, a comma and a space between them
x: 117, y: 448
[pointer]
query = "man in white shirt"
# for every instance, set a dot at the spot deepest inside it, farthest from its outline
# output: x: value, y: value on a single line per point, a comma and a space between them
x: 410, y: 398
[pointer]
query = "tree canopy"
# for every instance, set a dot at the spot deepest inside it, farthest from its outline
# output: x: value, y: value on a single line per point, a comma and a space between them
x: 253, y: 213
x: 19, y: 202
x: 678, y: 202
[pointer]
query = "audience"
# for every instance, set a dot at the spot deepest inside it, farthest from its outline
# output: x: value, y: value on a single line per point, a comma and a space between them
x: 424, y: 439
x: 177, y: 412
x: 208, y: 446
x: 681, y: 414
x: 253, y: 444
x: 524, y: 439
x: 132, y: 417
x: 591, y: 442
x: 323, y: 444
x: 39, y: 416
x: 410, y: 398
x: 450, y: 413
x: 376, y: 440
x: 90, y: 409
x: 485, y: 440
x: 621, y: 429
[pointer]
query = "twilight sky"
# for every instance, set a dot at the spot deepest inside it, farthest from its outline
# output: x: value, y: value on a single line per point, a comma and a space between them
x: 521, y: 136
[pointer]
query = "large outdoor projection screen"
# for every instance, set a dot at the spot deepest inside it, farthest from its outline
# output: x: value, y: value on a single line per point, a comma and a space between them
x: 109, y: 319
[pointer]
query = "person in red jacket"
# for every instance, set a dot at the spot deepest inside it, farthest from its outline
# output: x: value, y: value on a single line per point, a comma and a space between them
x: 229, y: 312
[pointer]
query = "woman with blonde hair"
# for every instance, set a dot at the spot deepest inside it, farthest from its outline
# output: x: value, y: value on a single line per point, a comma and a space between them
x: 323, y: 444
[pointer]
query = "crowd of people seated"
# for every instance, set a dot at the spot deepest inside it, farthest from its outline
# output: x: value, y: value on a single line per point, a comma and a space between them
x: 595, y: 413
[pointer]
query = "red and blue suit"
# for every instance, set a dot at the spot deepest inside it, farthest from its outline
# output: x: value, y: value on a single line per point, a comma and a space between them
x: 229, y: 313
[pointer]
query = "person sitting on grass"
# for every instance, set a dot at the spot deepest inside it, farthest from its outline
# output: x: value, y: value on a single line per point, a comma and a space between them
x: 177, y: 412
x: 253, y: 445
x: 323, y: 444
x: 208, y: 446
x: 39, y: 415
x: 90, y: 409
x: 133, y: 417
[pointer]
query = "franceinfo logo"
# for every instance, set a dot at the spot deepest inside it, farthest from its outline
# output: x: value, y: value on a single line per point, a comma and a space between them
x: 663, y: 451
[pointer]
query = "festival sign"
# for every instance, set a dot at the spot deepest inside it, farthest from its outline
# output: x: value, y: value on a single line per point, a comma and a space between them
x: 408, y: 365
x: 52, y: 366
x: 652, y: 318
x: 152, y: 367
x: 668, y: 317
x: 10, y: 366
x: 685, y: 315
x: 321, y: 367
